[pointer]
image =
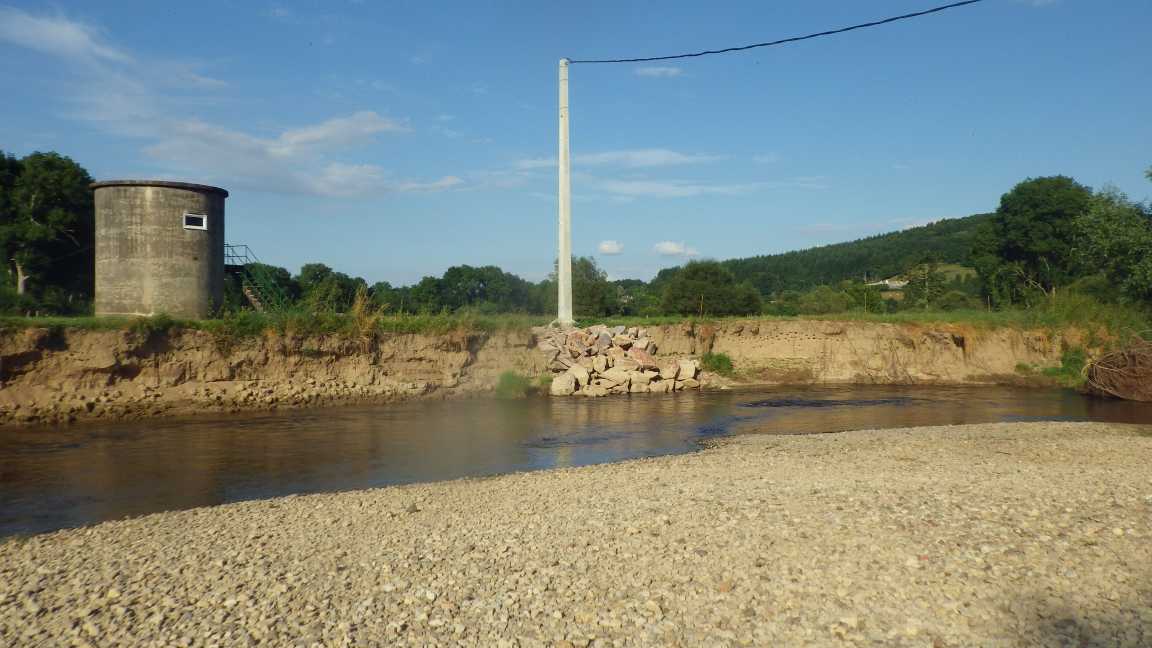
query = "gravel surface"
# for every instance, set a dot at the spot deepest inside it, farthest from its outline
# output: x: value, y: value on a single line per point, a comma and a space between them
x: 1025, y: 534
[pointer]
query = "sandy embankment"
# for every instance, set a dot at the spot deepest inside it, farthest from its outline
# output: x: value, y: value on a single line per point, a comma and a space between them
x: 50, y: 376
x: 1009, y: 534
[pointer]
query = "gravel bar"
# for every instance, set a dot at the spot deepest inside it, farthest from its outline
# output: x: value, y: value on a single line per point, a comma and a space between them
x: 1025, y: 534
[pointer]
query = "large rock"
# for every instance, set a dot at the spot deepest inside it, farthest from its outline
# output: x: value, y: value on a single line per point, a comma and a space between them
x: 641, y: 343
x: 615, y: 355
x: 622, y: 341
x: 600, y: 364
x: 638, y: 377
x: 638, y: 388
x: 563, y: 385
x: 669, y: 370
x: 643, y: 358
x: 662, y: 386
x: 581, y: 374
x: 594, y: 390
x: 688, y: 369
x: 617, y: 375
x: 603, y: 342
x: 689, y: 383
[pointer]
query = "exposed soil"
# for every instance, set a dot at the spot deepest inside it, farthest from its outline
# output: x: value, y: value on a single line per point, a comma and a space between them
x: 53, y: 376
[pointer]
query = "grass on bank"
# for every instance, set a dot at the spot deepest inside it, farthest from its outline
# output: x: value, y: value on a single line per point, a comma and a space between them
x: 718, y: 363
x: 1112, y: 320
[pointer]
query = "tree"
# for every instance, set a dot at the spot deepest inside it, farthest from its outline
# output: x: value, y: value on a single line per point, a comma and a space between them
x: 1029, y: 243
x: 46, y: 223
x: 823, y: 300
x: 926, y: 284
x: 487, y: 288
x: 323, y: 289
x: 1116, y: 238
x: 592, y: 294
x: 708, y: 288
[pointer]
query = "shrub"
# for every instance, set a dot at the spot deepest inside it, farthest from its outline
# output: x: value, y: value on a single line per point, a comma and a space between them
x: 1070, y: 373
x: 513, y: 385
x: 718, y: 363
x: 156, y: 325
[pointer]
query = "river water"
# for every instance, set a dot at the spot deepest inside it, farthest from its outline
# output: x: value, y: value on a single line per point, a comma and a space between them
x: 53, y: 478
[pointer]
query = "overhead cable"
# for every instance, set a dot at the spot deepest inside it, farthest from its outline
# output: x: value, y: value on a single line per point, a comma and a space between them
x: 782, y: 41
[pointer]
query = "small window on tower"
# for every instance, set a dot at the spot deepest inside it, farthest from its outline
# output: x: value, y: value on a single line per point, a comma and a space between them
x: 196, y: 221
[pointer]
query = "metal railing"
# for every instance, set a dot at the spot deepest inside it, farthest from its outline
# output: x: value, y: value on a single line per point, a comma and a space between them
x: 256, y: 278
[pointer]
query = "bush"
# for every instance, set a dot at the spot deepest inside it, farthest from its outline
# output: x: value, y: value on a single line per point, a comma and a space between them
x: 957, y: 300
x: 823, y: 300
x: 1070, y: 373
x: 718, y: 363
x: 149, y: 327
x: 513, y: 385
x: 708, y: 288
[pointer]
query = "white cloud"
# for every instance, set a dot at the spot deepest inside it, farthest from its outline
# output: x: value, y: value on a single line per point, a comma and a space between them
x: 643, y: 158
x: 658, y: 71
x: 632, y: 158
x: 670, y: 188
x: 335, y: 132
x: 347, y: 180
x: 672, y: 248
x: 610, y: 247
x: 290, y: 162
x: 131, y: 96
x: 767, y: 158
x: 57, y: 36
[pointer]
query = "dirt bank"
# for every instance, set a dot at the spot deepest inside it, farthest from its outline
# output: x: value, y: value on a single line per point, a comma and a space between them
x: 1034, y: 534
x: 54, y: 375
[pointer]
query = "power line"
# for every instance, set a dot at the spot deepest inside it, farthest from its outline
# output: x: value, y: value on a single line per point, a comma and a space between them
x: 784, y: 40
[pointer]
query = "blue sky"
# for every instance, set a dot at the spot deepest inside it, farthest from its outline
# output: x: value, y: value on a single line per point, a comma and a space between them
x: 391, y: 140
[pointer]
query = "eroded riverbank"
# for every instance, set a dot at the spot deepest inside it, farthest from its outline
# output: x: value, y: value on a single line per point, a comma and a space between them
x: 51, y: 376
x: 1008, y: 534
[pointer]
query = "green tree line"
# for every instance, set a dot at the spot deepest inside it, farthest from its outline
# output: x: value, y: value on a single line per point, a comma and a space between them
x: 1048, y: 236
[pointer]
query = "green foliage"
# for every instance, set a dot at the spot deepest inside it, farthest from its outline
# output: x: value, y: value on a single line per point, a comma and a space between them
x: 707, y: 288
x: 1115, y: 237
x: 46, y: 234
x: 1028, y: 248
x: 323, y: 289
x: 513, y: 385
x: 925, y: 286
x: 876, y: 257
x: 823, y: 300
x: 155, y: 326
x: 718, y: 363
x: 1070, y: 373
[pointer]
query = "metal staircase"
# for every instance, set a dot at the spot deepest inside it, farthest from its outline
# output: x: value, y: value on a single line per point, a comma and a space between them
x: 255, y: 278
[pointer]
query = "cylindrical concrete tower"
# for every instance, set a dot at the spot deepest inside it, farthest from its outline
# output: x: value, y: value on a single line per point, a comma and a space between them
x: 159, y: 248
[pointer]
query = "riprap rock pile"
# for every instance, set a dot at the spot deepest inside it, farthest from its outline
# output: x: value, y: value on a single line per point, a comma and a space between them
x: 601, y: 360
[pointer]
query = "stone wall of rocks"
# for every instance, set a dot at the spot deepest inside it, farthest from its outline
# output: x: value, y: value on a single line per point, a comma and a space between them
x: 601, y: 360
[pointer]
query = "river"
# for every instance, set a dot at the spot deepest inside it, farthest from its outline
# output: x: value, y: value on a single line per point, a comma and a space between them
x: 60, y: 477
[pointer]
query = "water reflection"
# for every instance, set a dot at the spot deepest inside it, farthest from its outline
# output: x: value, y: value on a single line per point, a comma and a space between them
x: 60, y: 477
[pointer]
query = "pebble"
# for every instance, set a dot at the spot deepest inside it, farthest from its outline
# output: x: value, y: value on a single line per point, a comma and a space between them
x: 764, y: 540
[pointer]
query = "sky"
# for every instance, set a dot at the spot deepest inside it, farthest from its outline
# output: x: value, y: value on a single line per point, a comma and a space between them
x: 391, y: 140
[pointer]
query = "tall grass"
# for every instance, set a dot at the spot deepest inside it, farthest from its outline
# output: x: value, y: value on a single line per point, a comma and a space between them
x: 365, y: 319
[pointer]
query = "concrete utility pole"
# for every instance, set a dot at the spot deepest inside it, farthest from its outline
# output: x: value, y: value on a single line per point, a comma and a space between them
x: 564, y: 262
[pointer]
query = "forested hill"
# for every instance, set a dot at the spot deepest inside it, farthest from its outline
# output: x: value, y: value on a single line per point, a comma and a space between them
x: 880, y: 256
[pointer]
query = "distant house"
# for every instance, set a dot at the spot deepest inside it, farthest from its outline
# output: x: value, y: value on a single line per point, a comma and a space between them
x: 891, y: 283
